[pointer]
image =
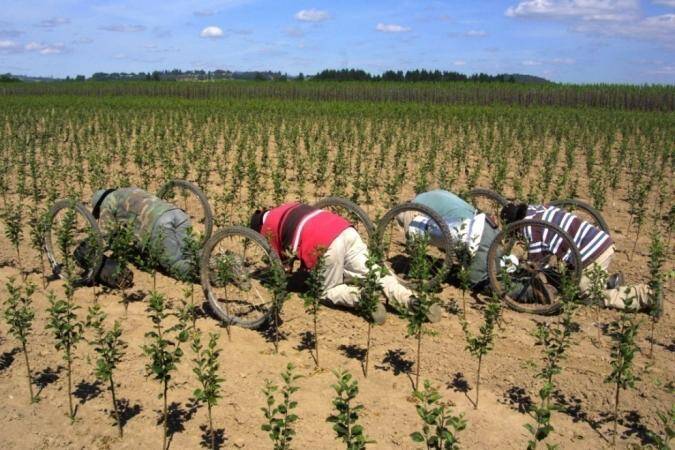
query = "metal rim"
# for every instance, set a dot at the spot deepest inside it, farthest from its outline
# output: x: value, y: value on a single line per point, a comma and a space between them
x: 264, y: 310
x: 531, y: 273
x: 89, y: 275
x: 203, y: 201
x: 446, y: 247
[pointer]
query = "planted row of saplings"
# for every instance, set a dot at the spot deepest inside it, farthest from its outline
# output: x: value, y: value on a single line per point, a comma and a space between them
x: 164, y: 349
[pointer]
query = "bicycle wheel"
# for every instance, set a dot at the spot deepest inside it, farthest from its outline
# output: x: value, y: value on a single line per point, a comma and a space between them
x: 236, y: 268
x: 73, y: 242
x: 488, y: 202
x: 392, y: 238
x: 532, y: 283
x: 190, y: 205
x: 350, y: 211
x: 582, y: 210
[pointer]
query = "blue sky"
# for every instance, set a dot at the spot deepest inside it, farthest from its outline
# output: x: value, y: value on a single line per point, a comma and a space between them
x: 583, y: 41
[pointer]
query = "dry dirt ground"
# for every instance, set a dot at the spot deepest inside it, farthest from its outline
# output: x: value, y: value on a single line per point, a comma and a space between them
x: 508, y: 383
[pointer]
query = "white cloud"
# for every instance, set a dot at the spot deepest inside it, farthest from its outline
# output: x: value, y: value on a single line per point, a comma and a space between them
x: 670, y: 3
x: 54, y: 22
x: 564, y: 61
x: 7, y: 46
x: 595, y: 10
x: 312, y: 15
x: 391, y: 28
x: 459, y: 62
x: 531, y: 62
x: 211, y: 32
x: 45, y: 49
x: 123, y: 28
x: 612, y: 18
x: 476, y: 33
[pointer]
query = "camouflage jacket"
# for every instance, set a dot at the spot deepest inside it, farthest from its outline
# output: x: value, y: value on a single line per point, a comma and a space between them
x: 135, y: 206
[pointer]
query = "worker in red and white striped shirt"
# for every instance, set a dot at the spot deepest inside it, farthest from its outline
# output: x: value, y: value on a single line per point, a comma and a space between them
x: 299, y: 230
x: 594, y: 245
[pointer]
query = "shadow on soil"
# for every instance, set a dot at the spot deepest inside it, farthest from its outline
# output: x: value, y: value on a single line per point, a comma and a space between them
x: 218, y: 439
x: 177, y: 415
x: 7, y: 358
x: 45, y: 378
x: 85, y: 391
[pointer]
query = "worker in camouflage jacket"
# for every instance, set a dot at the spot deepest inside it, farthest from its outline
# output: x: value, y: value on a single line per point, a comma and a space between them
x: 152, y: 220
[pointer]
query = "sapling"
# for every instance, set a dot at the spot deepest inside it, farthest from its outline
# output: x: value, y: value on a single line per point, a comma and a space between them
x: 164, y: 353
x: 207, y: 370
x: 151, y: 255
x: 369, y: 298
x: 657, y: 256
x: 109, y: 347
x: 624, y: 330
x: 121, y: 243
x: 19, y: 315
x: 439, y: 425
x: 313, y: 295
x: 480, y: 345
x: 67, y: 331
x: 596, y: 294
x: 667, y: 422
x: 279, y: 415
x: 13, y: 231
x: 345, y: 418
x: 554, y: 340
x: 420, y: 272
x: 65, y: 235
x: 39, y: 224
x: 279, y: 287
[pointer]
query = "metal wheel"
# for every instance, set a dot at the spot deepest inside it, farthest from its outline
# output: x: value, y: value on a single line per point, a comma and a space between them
x: 190, y: 204
x: 391, y: 236
x: 532, y: 285
x: 350, y: 211
x: 73, y: 242
x: 236, y: 267
x: 488, y: 202
x: 582, y: 210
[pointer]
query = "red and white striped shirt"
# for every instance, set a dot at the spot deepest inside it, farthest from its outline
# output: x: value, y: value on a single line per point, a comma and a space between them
x: 301, y: 230
x: 590, y: 240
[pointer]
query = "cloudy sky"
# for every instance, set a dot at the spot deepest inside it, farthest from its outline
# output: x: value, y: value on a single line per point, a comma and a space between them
x: 564, y: 40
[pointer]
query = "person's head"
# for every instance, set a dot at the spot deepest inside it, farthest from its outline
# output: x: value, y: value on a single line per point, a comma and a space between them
x: 257, y: 220
x: 513, y: 212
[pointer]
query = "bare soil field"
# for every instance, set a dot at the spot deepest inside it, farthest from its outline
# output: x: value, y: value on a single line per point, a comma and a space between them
x: 507, y: 386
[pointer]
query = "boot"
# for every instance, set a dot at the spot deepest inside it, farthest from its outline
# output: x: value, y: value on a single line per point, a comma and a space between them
x: 615, y: 280
x: 434, y: 313
x: 114, y: 276
x: 380, y: 314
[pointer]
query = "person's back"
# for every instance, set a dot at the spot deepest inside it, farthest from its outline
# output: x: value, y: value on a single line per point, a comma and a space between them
x: 301, y: 230
x: 446, y: 204
x: 135, y: 206
x: 150, y: 218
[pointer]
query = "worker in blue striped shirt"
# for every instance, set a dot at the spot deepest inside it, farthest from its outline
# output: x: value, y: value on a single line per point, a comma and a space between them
x: 594, y: 245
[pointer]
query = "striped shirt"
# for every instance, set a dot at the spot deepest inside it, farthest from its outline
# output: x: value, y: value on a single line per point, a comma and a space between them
x: 590, y: 240
x: 467, y: 231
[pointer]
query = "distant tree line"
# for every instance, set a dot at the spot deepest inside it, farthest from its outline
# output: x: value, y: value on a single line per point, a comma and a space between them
x: 189, y: 75
x: 410, y: 75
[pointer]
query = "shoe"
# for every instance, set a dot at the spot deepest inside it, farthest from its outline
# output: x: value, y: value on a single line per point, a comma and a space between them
x: 379, y: 315
x: 615, y: 280
x: 114, y: 275
x: 434, y: 313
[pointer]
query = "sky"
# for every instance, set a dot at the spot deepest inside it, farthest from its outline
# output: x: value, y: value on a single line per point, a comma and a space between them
x: 575, y: 41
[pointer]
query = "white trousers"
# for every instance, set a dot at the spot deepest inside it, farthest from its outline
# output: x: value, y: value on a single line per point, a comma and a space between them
x: 346, y: 260
x: 632, y: 298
